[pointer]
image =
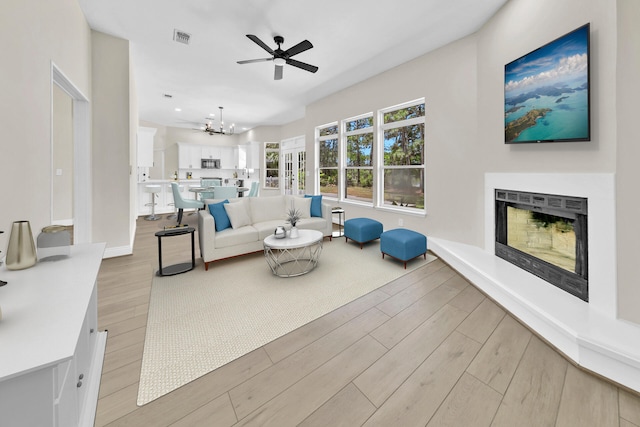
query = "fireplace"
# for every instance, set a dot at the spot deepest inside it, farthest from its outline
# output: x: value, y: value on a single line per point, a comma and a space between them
x: 545, y: 235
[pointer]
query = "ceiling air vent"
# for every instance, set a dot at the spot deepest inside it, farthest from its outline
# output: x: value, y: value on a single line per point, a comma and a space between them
x: 181, y: 36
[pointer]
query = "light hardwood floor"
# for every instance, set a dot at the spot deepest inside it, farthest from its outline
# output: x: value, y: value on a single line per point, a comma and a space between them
x: 427, y: 349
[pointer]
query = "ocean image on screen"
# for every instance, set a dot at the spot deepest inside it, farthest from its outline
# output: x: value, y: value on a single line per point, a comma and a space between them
x: 547, y: 92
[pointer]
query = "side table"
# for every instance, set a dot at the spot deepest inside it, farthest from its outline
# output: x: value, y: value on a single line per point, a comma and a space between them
x: 340, y: 213
x: 176, y: 268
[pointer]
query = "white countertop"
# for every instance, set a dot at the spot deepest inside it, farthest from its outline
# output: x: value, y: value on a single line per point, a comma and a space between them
x: 43, y: 308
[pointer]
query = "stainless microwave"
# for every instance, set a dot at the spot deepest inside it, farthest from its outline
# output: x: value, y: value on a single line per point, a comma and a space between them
x: 210, y: 164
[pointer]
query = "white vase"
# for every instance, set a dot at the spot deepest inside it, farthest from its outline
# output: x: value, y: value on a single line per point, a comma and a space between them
x: 293, y: 234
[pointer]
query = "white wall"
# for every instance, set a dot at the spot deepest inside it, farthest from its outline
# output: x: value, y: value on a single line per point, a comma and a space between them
x: 112, y: 139
x: 35, y: 33
x: 627, y: 175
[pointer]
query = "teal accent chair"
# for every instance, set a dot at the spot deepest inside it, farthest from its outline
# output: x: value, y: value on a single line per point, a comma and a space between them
x: 255, y: 189
x: 181, y: 203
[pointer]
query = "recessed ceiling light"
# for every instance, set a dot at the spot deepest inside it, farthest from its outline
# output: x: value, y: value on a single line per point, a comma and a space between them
x: 178, y: 109
x: 212, y: 115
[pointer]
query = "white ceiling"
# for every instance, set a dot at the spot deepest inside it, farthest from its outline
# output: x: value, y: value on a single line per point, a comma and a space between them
x: 353, y: 40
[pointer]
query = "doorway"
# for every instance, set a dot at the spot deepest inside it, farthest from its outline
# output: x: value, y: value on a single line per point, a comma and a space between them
x: 80, y: 170
x: 294, y: 165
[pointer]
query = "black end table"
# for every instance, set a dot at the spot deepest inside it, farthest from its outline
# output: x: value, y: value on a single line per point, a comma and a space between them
x: 176, y: 268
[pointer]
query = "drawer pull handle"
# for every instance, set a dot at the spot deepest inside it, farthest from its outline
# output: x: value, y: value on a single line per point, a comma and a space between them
x: 81, y: 377
x: 79, y: 384
x: 91, y: 330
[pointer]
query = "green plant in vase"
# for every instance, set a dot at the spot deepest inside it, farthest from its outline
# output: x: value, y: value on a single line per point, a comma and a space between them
x: 293, y: 216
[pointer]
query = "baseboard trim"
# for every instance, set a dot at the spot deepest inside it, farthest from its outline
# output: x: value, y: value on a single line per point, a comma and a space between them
x: 117, y: 251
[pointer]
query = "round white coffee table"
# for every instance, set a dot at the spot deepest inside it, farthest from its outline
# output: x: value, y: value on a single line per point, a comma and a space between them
x: 293, y: 257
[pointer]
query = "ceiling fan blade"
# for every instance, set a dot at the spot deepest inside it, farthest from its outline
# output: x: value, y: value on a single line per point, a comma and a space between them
x: 260, y: 43
x: 307, y: 67
x: 250, y: 61
x: 278, y: 73
x: 299, y: 48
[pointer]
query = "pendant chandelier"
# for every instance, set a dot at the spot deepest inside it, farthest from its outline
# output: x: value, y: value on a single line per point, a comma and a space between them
x: 220, y: 131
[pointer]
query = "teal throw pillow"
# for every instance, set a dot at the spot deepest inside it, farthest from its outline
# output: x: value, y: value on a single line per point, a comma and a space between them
x: 316, y: 205
x: 220, y: 215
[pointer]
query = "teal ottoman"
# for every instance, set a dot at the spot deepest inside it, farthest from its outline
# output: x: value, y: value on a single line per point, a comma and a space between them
x: 362, y: 230
x: 403, y: 244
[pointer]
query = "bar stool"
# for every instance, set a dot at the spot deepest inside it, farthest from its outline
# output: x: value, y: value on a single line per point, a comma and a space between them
x: 175, y: 210
x: 152, y: 189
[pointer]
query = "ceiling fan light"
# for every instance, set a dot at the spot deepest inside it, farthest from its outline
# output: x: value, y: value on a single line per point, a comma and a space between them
x: 279, y: 62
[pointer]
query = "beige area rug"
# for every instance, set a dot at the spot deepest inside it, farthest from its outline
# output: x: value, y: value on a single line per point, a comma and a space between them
x: 201, y: 320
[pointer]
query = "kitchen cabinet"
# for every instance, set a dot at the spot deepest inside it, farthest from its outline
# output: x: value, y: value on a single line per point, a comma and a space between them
x: 145, y: 146
x: 52, y: 352
x: 253, y: 156
x: 240, y: 153
x: 210, y: 152
x: 189, y: 156
x: 227, y: 159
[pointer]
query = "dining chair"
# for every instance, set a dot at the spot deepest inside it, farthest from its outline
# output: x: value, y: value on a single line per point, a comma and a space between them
x: 181, y: 203
x: 206, y: 183
x: 255, y: 189
x: 226, y: 192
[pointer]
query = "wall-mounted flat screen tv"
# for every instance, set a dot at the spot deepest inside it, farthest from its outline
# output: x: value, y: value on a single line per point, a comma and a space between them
x: 546, y: 92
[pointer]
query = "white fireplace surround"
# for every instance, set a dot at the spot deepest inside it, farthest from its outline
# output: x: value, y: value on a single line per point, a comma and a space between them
x: 590, y: 333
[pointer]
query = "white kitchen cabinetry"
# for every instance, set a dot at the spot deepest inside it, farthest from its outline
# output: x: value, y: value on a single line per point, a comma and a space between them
x: 210, y: 152
x: 145, y: 146
x: 52, y: 352
x: 227, y: 159
x: 240, y: 154
x: 253, y: 155
x: 189, y: 156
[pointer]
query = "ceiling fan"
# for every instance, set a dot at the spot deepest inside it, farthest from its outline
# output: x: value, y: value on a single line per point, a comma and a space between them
x: 281, y: 57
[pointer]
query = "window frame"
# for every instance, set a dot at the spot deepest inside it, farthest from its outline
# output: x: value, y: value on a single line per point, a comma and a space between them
x: 318, y: 139
x: 344, y: 167
x: 381, y: 167
x: 267, y: 150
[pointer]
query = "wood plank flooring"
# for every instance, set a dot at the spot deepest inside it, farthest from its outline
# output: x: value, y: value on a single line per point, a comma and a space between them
x: 427, y: 349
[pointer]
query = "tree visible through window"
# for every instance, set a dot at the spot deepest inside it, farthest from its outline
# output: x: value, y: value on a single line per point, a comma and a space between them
x: 382, y: 165
x: 271, y: 165
x: 358, y: 134
x: 403, y: 153
x: 328, y: 159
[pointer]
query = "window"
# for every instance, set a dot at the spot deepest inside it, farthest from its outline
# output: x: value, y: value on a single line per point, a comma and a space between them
x: 402, y: 168
x: 271, y: 164
x: 377, y: 162
x: 328, y: 156
x: 358, y: 137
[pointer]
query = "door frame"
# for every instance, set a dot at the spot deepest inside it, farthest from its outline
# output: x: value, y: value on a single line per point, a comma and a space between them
x: 293, y: 146
x: 82, y: 200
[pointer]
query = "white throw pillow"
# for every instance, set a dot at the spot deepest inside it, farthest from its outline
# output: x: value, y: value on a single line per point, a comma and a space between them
x: 303, y: 204
x: 238, y: 215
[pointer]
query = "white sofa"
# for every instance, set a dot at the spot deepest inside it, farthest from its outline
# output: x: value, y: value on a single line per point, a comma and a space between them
x: 252, y: 219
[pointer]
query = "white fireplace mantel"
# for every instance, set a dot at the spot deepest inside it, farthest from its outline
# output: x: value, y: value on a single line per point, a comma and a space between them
x: 588, y: 333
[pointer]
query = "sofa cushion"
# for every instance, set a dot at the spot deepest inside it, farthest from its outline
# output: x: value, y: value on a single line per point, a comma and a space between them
x: 266, y: 208
x: 302, y: 204
x: 266, y: 228
x: 220, y: 215
x: 316, y: 205
x: 238, y: 214
x: 232, y: 237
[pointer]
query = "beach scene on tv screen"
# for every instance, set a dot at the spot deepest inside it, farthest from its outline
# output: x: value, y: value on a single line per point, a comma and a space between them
x: 547, y: 92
